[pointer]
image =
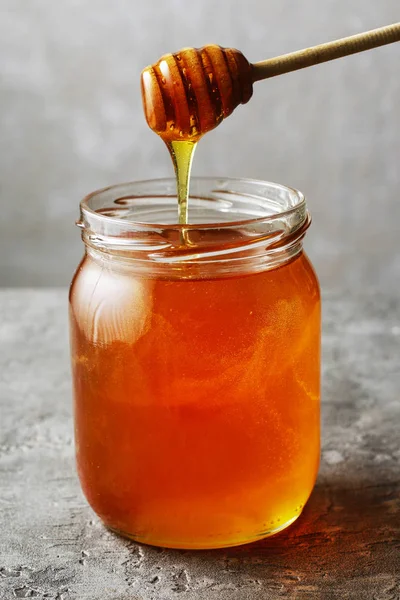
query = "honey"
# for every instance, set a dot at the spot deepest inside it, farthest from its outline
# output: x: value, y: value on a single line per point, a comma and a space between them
x: 186, y: 95
x: 197, y: 402
x: 182, y: 153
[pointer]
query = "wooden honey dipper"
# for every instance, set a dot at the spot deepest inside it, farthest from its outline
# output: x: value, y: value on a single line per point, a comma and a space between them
x: 188, y: 93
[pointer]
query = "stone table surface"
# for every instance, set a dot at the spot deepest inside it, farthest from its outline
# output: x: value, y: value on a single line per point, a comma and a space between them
x: 345, y: 545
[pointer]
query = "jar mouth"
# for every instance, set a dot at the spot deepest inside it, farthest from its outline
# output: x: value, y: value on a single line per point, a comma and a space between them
x: 237, y: 224
x: 260, y: 201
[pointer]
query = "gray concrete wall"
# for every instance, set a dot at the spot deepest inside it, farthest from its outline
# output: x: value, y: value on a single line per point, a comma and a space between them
x: 71, y: 121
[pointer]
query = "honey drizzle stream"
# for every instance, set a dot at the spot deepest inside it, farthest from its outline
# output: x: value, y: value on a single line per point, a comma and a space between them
x: 182, y: 152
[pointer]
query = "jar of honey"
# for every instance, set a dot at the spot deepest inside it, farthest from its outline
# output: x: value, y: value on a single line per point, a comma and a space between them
x: 196, y: 361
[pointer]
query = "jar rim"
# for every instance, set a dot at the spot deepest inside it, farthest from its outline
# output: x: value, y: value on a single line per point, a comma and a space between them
x: 298, y: 198
x: 217, y: 234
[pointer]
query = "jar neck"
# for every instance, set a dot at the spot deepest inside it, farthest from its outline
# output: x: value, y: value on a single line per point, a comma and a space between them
x: 117, y: 229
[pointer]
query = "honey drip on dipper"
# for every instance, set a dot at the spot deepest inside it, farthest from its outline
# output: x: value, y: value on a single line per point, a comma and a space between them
x: 189, y: 93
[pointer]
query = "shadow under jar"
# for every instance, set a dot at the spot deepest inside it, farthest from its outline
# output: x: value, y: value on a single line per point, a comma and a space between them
x: 196, y: 361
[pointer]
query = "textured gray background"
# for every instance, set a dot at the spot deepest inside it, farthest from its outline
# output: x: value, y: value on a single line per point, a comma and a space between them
x: 71, y: 121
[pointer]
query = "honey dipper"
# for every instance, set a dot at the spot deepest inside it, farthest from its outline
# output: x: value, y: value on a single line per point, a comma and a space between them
x: 188, y: 93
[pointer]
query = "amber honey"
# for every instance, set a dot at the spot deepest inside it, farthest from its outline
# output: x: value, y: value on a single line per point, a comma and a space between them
x: 186, y: 95
x: 196, y: 398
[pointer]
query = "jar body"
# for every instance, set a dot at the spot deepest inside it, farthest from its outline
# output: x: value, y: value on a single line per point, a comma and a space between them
x: 196, y: 401
x: 196, y: 370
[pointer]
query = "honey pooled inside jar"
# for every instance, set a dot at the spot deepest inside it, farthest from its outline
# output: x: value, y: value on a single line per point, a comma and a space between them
x: 196, y: 401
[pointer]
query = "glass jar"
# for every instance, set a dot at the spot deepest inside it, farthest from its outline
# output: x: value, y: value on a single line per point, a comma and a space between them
x: 196, y: 361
